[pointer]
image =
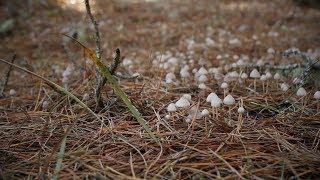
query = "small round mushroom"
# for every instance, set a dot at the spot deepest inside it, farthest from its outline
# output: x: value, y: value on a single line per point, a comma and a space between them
x: 224, y: 86
x: 317, y: 95
x: 302, y: 93
x: 211, y: 96
x: 215, y: 103
x: 203, y: 78
x: 241, y: 111
x: 205, y: 113
x: 45, y: 105
x: 229, y: 101
x: 263, y: 78
x: 284, y: 87
x: 171, y: 107
x: 12, y: 92
x: 187, y: 96
x: 182, y: 103
x: 202, y: 71
x: 255, y: 75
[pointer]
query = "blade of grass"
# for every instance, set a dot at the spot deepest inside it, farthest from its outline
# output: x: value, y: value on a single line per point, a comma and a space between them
x: 60, y: 158
x: 117, y: 89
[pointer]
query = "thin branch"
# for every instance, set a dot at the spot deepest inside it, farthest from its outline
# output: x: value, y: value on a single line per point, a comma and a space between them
x: 112, y: 69
x: 116, y: 62
x: 95, y: 24
x: 7, y: 75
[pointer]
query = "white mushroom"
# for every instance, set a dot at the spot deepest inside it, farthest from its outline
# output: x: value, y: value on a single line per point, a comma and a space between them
x: 202, y: 78
x: 284, y: 87
x: 205, y: 113
x: 254, y: 74
x: 171, y: 107
x: 211, y: 97
x: 301, y: 92
x: 182, y: 103
x: 224, y: 86
x: 276, y: 76
x: 317, y: 95
x: 202, y: 71
x: 187, y: 96
x: 215, y: 103
x: 229, y: 100
x: 202, y: 86
x: 263, y: 78
x: 12, y: 92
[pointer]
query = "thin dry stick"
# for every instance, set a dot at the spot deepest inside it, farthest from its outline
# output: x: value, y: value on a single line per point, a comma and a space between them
x: 101, y: 83
x: 131, y: 166
x: 7, y: 75
x: 95, y: 24
x: 98, y: 53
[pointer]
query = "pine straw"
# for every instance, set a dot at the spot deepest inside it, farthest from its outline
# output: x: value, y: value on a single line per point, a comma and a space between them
x: 274, y: 142
x: 269, y: 145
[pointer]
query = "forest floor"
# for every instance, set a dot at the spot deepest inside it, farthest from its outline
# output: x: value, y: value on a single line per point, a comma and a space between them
x: 277, y: 137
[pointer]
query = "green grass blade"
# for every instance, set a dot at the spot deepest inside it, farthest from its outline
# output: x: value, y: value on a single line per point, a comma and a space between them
x: 60, y: 158
x: 117, y: 89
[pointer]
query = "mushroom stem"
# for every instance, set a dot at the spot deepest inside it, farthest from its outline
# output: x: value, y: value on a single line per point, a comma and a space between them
x: 213, y: 112
x: 240, y: 122
x: 254, y: 85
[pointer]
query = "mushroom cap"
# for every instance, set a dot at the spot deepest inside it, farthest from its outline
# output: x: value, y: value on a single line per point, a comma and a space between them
x: 167, y: 116
x: 211, y: 96
x: 234, y: 74
x: 184, y: 73
x: 255, y: 74
x: 240, y: 62
x: 284, y: 87
x: 268, y: 75
x: 216, y: 103
x: 187, y: 96
x: 244, y: 76
x: 241, y: 110
x: 205, y: 112
x: 301, y: 92
x: 202, y: 71
x: 171, y: 107
x: 202, y: 86
x: 182, y: 102
x: 170, y: 76
x: 12, y: 92
x: 270, y: 51
x: 224, y: 85
x: 263, y: 78
x: 229, y: 100
x: 276, y: 76
x: 317, y: 95
x: 202, y: 78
